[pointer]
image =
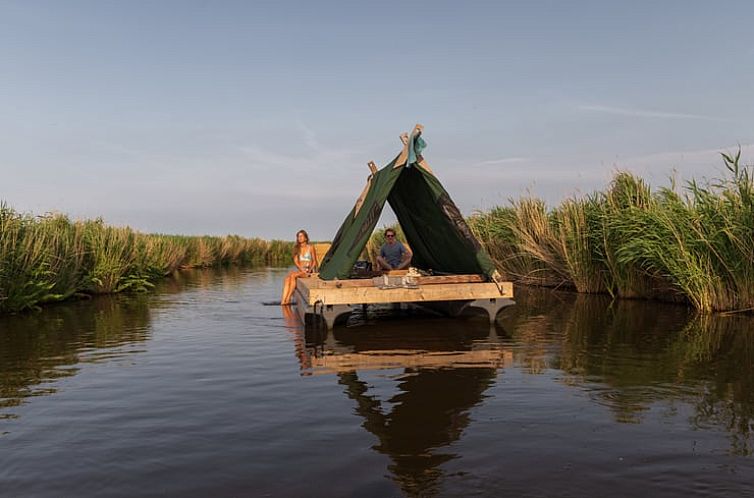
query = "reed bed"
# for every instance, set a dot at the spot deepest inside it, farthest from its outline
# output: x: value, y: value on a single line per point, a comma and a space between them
x: 52, y: 258
x: 692, y: 244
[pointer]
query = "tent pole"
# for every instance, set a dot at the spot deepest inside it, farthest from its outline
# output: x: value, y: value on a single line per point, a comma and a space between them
x: 403, y: 156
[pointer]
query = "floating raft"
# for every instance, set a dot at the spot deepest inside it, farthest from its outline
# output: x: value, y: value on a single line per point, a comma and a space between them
x: 328, y: 300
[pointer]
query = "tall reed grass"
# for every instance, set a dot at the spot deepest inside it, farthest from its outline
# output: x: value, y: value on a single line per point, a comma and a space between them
x: 51, y: 258
x: 693, y: 244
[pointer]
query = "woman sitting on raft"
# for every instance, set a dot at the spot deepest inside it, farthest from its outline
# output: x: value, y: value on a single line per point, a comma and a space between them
x: 305, y: 259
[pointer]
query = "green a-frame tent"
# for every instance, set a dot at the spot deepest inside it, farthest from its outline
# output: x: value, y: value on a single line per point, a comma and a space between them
x: 439, y: 237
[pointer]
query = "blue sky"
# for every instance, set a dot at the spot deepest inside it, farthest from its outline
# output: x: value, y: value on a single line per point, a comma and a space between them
x: 258, y: 118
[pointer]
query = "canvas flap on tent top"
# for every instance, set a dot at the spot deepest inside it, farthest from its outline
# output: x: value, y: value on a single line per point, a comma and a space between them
x: 440, y: 239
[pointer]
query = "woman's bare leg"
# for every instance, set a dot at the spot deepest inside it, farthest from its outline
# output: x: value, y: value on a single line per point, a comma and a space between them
x: 290, y: 285
x: 294, y: 277
x: 287, y: 291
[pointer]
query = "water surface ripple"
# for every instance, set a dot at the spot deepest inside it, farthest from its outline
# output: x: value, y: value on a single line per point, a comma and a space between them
x: 198, y: 389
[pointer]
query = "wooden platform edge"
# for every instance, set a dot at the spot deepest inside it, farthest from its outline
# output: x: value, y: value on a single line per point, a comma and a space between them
x: 435, y: 292
x: 315, y: 282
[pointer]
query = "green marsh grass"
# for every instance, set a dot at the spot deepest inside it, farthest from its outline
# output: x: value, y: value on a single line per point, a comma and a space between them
x: 578, y: 243
x: 51, y: 258
x: 522, y: 240
x: 693, y: 244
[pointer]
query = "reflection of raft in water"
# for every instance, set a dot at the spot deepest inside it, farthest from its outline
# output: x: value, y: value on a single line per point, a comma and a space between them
x: 336, y: 361
x: 450, y: 295
x: 440, y: 370
x: 429, y: 343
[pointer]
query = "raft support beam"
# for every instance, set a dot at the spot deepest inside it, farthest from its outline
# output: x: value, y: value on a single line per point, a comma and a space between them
x: 492, y: 306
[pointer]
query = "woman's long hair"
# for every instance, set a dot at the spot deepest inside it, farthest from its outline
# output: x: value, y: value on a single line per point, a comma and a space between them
x: 297, y: 249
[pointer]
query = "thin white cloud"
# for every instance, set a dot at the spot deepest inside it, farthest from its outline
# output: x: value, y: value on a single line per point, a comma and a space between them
x: 687, y: 164
x: 558, y: 178
x: 644, y: 113
x: 504, y: 160
x: 310, y: 137
x: 319, y: 157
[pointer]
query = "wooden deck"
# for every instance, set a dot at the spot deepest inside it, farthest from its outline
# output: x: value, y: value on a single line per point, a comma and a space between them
x: 330, y: 299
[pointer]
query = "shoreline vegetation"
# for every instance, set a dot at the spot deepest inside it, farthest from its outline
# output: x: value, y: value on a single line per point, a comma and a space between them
x: 693, y: 244
x: 50, y: 258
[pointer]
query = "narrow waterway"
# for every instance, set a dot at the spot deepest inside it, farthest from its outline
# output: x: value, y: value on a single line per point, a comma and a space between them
x: 198, y: 389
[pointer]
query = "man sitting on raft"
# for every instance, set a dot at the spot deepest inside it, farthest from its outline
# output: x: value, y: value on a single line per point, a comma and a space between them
x: 393, y: 254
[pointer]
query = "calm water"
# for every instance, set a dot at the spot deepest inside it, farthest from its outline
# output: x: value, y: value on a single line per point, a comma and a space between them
x: 200, y: 390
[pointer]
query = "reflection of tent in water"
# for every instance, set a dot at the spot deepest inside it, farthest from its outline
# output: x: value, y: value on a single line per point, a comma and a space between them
x: 440, y: 239
x: 430, y: 413
x: 431, y: 410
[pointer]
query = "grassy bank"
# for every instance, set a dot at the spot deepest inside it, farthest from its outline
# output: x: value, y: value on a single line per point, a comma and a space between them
x: 692, y: 244
x: 51, y: 258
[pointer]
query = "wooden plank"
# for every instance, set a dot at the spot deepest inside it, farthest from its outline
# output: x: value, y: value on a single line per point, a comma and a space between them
x: 362, y: 197
x: 338, y: 284
x: 302, y: 289
x: 403, y: 156
x: 367, y: 282
x: 372, y: 167
x: 422, y: 163
x: 449, y: 279
x: 438, y: 292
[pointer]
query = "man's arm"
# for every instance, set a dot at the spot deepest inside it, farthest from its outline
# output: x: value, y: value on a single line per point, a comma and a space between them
x: 405, y: 258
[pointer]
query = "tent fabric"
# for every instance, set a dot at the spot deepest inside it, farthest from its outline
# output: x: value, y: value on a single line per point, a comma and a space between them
x: 439, y: 237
